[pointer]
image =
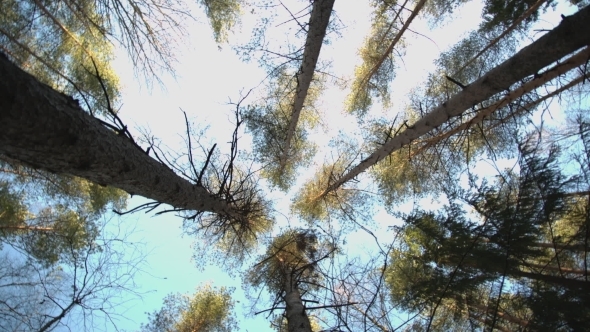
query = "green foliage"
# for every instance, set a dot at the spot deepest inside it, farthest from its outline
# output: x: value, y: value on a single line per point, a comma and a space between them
x: 47, y: 215
x: 68, y: 53
x: 14, y: 212
x: 365, y: 86
x: 311, y: 205
x: 227, y: 240
x: 404, y: 173
x: 377, y: 69
x: 443, y: 261
x: 503, y: 13
x: 437, y: 11
x: 223, y: 15
x: 446, y: 258
x: 279, y: 323
x: 433, y: 163
x: 289, y: 270
x: 207, y: 310
x: 268, y: 121
x: 293, y: 253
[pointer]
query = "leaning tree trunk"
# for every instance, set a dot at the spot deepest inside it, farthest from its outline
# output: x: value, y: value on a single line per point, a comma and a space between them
x: 571, y: 35
x: 396, y: 39
x: 561, y: 270
x: 581, y: 247
x: 46, y: 129
x: 318, y: 23
x: 502, y: 315
x: 572, y: 284
x: 297, y: 320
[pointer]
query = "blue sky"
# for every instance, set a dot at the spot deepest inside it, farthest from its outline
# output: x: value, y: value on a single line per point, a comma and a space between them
x: 207, y: 78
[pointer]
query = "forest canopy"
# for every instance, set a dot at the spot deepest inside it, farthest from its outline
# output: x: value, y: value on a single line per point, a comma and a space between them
x: 371, y: 173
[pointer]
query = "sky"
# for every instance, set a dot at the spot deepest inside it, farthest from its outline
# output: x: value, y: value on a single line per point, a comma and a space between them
x: 207, y: 79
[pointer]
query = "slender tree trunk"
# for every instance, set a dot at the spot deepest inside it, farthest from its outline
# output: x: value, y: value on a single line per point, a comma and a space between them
x: 505, y: 316
x: 556, y: 269
x: 566, y: 38
x: 574, y: 62
x: 318, y: 23
x: 47, y: 326
x: 27, y: 228
x: 396, y: 39
x: 522, y: 17
x: 570, y: 247
x: 63, y: 28
x: 297, y: 320
x: 573, y: 284
x: 472, y: 262
x: 46, y: 129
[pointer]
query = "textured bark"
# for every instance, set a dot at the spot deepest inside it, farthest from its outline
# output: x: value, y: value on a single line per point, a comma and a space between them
x: 297, y: 320
x: 318, y: 23
x: 46, y: 129
x: 573, y: 62
x: 566, y: 38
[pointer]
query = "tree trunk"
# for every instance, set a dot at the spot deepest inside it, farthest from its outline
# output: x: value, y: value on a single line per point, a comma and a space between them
x: 558, y: 70
x: 502, y: 315
x: 571, y: 247
x: 27, y: 228
x: 57, y: 318
x: 517, y: 22
x: 46, y: 129
x: 561, y: 270
x: 566, y: 38
x: 560, y: 246
x: 573, y: 284
x: 397, y: 38
x: 297, y: 320
x: 514, y: 272
x: 318, y: 23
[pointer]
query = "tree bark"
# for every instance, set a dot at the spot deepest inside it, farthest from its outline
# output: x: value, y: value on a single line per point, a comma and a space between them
x: 27, y: 228
x: 573, y: 284
x: 318, y: 23
x: 561, y: 270
x: 547, y: 76
x: 566, y: 38
x: 571, y: 247
x: 517, y: 22
x: 514, y: 272
x: 57, y: 318
x: 297, y: 320
x: 46, y: 129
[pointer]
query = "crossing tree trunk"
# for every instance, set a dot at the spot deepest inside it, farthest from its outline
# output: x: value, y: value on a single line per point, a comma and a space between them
x: 565, y: 39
